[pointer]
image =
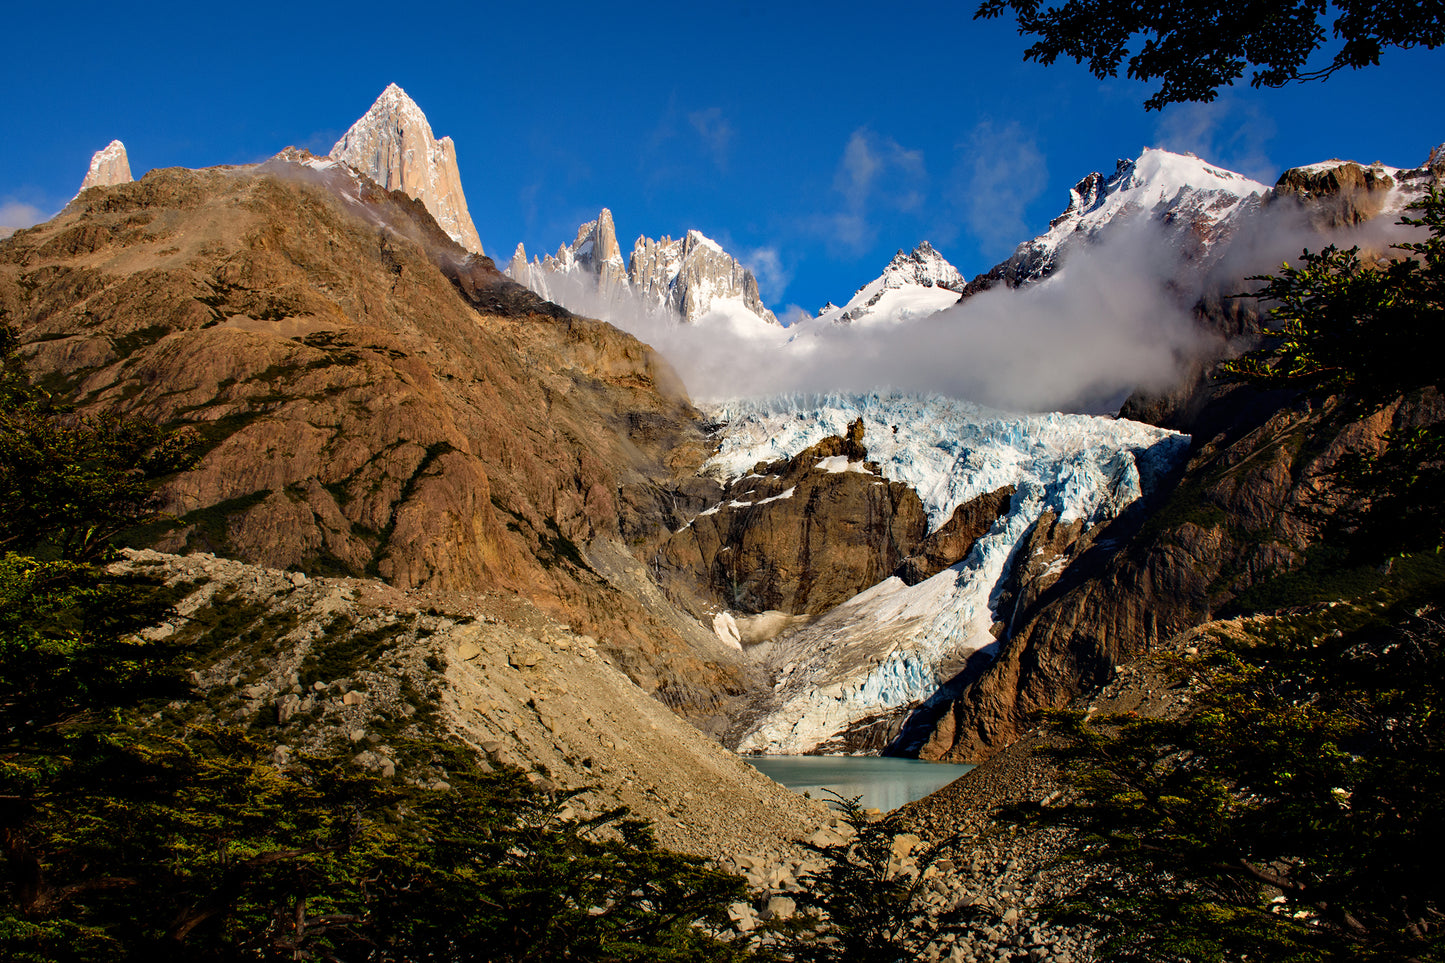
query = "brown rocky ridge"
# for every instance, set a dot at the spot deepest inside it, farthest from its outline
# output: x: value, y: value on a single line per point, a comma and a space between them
x: 372, y: 400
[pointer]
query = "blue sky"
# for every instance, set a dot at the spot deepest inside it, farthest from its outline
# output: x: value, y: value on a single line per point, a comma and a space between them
x: 812, y: 140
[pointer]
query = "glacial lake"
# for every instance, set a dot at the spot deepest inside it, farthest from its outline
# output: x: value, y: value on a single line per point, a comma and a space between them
x: 885, y: 783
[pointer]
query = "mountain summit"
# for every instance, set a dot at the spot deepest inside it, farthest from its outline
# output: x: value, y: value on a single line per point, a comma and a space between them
x: 393, y: 144
x: 916, y: 284
x: 108, y: 166
x: 690, y: 277
x: 1196, y: 201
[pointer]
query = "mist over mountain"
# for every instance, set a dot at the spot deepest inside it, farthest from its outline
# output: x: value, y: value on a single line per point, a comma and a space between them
x: 1102, y: 304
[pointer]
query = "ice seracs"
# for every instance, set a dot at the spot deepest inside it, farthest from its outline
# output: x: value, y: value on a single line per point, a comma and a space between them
x: 393, y: 144
x: 108, y: 166
x: 893, y: 645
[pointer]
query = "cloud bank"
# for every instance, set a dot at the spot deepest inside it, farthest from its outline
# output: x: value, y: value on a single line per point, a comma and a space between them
x: 1116, y: 317
x: 15, y: 214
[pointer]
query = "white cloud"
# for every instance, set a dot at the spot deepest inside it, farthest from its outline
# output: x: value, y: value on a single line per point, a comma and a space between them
x: 1114, y: 318
x: 1228, y: 132
x: 1000, y: 170
x: 874, y: 173
x: 17, y: 214
x: 767, y: 266
x: 714, y: 131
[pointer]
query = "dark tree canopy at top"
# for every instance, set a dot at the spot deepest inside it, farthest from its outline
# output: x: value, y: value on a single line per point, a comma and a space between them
x: 1195, y: 47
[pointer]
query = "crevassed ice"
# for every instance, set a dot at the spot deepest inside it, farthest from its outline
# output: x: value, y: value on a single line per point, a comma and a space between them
x: 886, y: 647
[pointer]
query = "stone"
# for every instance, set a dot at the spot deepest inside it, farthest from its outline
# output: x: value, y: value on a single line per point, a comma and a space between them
x: 393, y: 144
x: 110, y: 165
x: 743, y: 918
x: 287, y: 707
x: 780, y: 908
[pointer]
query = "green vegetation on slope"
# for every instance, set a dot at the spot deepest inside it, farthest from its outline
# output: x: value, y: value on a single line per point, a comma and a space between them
x: 1295, y: 812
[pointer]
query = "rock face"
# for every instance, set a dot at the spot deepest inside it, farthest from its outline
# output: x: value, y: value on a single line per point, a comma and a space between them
x: 394, y: 146
x: 593, y: 255
x: 690, y: 274
x: 362, y: 412
x: 108, y: 166
x: 688, y: 277
x: 798, y: 536
x: 1239, y: 515
x: 952, y: 543
x: 1338, y: 193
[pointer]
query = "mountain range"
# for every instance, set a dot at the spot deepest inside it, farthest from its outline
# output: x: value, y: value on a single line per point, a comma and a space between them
x: 807, y: 573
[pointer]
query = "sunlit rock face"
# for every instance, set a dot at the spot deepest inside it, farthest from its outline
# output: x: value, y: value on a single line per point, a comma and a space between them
x: 692, y: 278
x: 690, y: 275
x: 108, y: 166
x: 394, y: 146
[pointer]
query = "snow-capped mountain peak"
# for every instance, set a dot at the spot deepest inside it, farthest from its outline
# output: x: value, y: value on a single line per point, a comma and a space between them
x: 393, y: 144
x: 1193, y: 199
x: 915, y: 284
x: 922, y: 266
x: 1156, y: 180
x: 691, y: 278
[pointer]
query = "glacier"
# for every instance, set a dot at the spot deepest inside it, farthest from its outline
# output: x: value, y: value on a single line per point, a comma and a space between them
x: 891, y: 646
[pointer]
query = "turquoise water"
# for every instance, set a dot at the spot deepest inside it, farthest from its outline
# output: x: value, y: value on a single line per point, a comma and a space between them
x: 884, y: 783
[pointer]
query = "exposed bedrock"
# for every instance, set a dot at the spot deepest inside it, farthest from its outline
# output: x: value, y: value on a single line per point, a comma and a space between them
x: 1240, y: 514
x: 802, y: 535
x: 370, y: 399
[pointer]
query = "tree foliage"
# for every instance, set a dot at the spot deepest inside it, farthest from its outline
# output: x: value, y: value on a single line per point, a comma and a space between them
x: 1368, y: 334
x: 1195, y: 47
x: 1340, y: 325
x: 1297, y: 813
x: 862, y: 907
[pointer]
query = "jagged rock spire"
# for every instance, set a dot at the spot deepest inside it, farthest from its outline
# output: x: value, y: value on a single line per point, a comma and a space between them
x: 393, y: 144
x: 108, y: 166
x: 688, y: 274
